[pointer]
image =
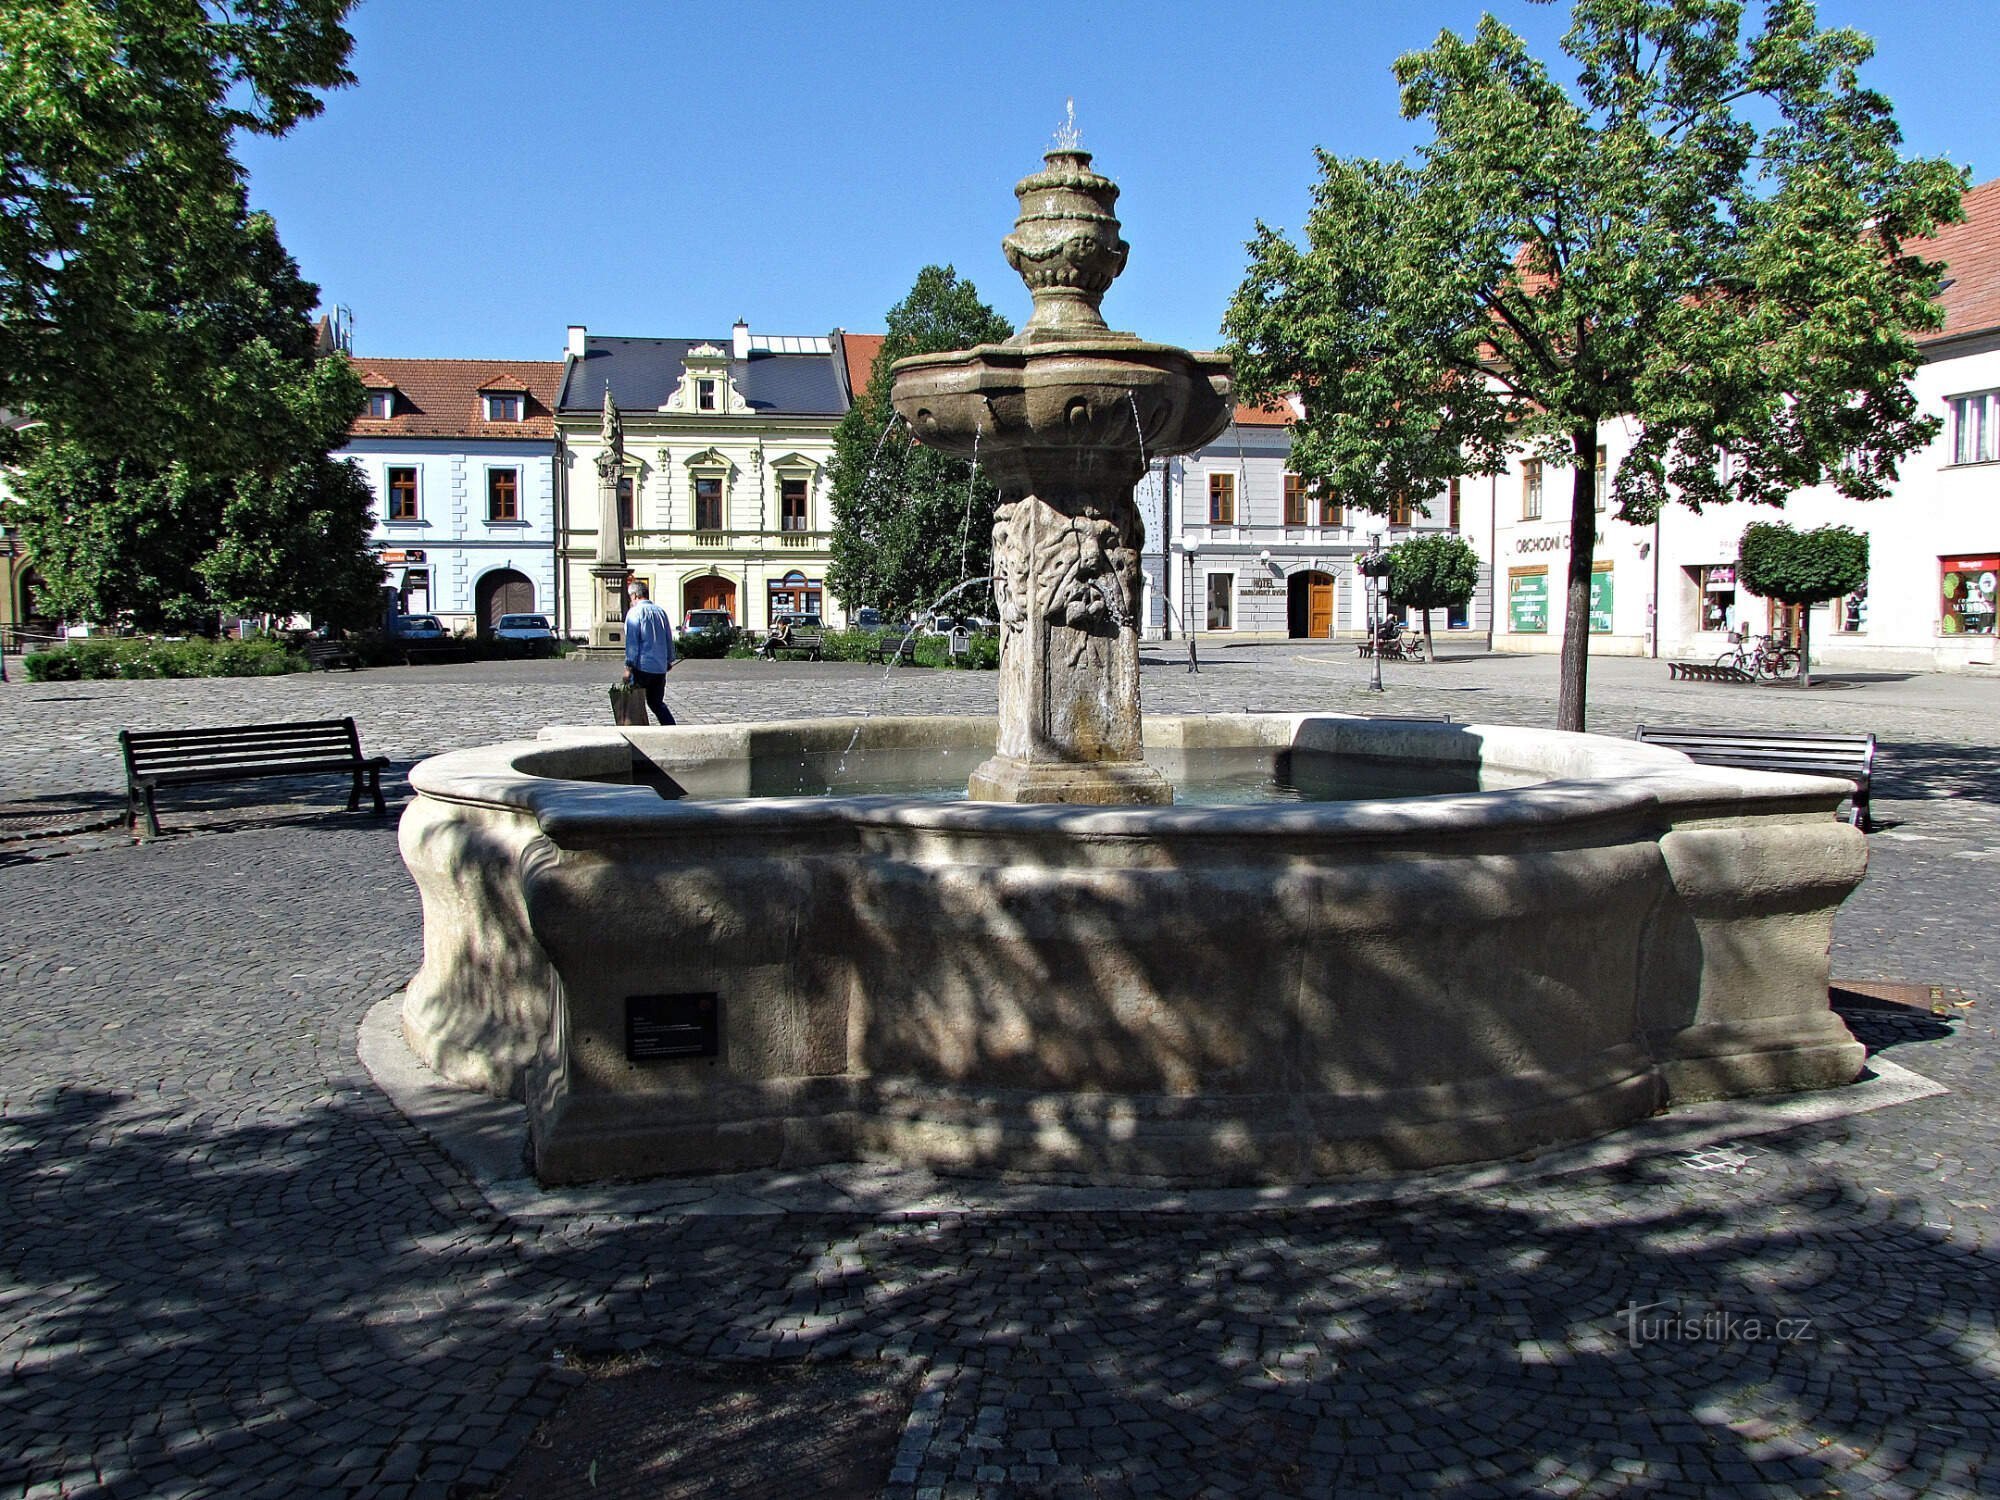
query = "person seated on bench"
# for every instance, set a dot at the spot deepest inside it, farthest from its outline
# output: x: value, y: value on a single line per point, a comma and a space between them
x: 779, y: 638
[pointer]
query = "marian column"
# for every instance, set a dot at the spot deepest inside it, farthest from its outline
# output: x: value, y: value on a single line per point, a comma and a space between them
x: 607, y: 629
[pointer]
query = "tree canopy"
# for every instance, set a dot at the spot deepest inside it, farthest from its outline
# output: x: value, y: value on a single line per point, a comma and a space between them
x: 908, y: 521
x: 154, y: 327
x: 1432, y: 571
x: 1709, y: 231
x: 1801, y: 567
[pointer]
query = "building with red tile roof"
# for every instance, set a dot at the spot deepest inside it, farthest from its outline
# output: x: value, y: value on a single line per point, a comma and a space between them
x: 461, y: 455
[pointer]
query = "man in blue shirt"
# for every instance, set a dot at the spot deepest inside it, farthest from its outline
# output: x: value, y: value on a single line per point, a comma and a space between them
x: 649, y: 650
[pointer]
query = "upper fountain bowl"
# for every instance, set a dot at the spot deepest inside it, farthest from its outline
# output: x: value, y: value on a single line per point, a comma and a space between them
x: 1066, y: 399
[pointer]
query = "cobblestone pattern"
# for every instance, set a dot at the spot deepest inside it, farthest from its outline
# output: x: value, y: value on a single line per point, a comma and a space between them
x: 227, y: 1267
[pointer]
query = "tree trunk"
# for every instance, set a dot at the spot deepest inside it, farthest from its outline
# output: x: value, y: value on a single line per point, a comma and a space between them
x: 1576, y: 602
x: 1430, y: 646
x: 1805, y: 646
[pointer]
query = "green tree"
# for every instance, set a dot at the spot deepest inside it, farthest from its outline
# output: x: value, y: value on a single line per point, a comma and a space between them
x: 909, y: 522
x: 1433, y: 571
x: 121, y: 214
x: 1803, y: 568
x: 155, y: 327
x: 1709, y: 232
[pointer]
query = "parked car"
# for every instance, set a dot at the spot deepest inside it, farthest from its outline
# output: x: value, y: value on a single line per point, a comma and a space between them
x: 523, y: 628
x: 417, y: 628
x: 870, y: 619
x: 798, y: 621
x: 700, y: 621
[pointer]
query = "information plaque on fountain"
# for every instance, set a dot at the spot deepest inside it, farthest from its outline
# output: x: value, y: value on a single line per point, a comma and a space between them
x: 672, y: 1028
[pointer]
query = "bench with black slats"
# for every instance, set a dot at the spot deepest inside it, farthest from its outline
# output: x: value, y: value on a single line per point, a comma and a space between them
x: 324, y: 656
x: 1703, y: 671
x: 887, y: 648
x: 804, y: 643
x: 187, y: 757
x: 1848, y: 756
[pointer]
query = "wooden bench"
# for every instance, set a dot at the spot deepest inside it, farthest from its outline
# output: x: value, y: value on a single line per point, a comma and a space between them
x: 324, y: 656
x: 803, y: 642
x: 185, y: 757
x: 1848, y: 756
x: 1706, y: 671
x: 880, y: 650
x: 1392, y: 650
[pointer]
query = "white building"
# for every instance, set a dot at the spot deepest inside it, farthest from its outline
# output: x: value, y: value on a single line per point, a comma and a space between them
x: 1670, y: 589
x: 460, y: 453
x: 1251, y: 551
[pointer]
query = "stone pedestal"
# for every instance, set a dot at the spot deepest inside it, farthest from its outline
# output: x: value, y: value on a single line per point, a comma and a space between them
x: 607, y: 624
x: 1066, y: 576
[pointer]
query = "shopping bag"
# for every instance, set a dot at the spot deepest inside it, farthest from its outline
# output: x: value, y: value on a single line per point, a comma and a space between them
x: 628, y: 705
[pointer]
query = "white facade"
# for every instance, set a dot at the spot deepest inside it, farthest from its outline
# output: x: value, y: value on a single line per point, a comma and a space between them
x: 450, y: 554
x: 1669, y: 589
x: 1251, y: 553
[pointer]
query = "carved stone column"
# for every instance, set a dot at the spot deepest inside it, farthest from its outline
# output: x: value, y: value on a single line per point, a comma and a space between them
x: 608, y: 573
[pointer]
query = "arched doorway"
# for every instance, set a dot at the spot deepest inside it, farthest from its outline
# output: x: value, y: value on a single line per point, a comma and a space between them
x: 502, y: 592
x: 1309, y: 606
x: 710, y: 591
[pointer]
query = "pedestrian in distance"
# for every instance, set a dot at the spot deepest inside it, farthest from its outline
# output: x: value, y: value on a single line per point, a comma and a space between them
x: 649, y: 650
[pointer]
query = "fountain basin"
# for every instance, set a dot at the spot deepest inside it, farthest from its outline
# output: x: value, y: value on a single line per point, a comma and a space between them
x: 1266, y: 993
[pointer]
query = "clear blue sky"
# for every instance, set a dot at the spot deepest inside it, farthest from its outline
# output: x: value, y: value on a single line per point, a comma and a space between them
x: 506, y: 168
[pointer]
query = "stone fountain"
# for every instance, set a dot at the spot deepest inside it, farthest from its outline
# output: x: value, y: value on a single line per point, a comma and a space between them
x: 1065, y: 415
x: 682, y: 964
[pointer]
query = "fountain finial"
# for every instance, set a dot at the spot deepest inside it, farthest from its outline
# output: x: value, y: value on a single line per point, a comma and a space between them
x: 1065, y: 244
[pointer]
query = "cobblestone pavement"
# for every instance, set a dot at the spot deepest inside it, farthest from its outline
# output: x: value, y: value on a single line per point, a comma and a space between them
x: 228, y: 1267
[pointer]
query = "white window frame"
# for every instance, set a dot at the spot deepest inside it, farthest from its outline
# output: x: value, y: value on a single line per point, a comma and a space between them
x: 1975, y: 432
x: 494, y: 398
x: 1228, y: 580
x: 520, y: 494
x: 1531, y: 489
x: 387, y: 399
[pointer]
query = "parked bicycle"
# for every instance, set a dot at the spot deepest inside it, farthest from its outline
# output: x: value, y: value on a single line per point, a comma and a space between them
x: 1765, y: 656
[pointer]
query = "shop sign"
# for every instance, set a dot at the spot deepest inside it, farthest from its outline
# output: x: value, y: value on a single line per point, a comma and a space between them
x: 403, y: 555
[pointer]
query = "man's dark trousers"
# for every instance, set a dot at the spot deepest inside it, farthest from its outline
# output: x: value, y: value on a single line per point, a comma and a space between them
x: 655, y: 684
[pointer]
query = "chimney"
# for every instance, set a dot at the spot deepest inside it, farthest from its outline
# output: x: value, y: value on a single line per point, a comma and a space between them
x: 740, y: 339
x: 576, y: 332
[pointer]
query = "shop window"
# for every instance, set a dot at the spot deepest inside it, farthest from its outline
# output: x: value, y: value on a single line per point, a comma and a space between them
x: 792, y: 504
x: 403, y: 495
x: 1528, y: 601
x: 417, y: 591
x: 1850, y: 612
x: 1975, y: 434
x: 1531, y: 490
x: 707, y: 503
x: 1600, y: 598
x: 794, y: 593
x: 1967, y: 588
x: 1716, y: 589
x: 503, y: 495
x: 1221, y: 599
x: 1458, y: 616
x: 1295, y: 500
x: 1222, y: 499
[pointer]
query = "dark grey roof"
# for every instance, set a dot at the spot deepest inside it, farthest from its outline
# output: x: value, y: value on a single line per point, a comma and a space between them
x: 1251, y: 442
x: 644, y: 372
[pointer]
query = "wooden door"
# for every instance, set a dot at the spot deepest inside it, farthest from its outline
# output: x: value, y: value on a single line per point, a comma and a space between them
x: 1319, y: 606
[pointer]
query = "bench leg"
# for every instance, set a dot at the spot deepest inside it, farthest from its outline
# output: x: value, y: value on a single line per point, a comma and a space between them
x: 375, y: 786
x: 1861, y: 818
x: 152, y: 817
x: 354, y: 792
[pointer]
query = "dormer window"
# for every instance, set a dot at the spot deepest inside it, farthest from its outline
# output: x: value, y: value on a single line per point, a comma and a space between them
x: 381, y: 405
x: 503, y: 407
x: 705, y: 395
